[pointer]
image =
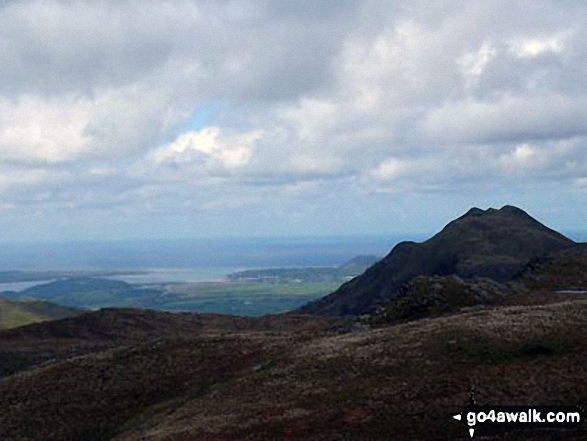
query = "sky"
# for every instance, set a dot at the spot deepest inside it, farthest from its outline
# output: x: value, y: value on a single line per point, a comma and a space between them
x: 186, y: 119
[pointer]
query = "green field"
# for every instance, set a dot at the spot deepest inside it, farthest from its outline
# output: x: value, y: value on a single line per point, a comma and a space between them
x: 14, y: 313
x: 243, y: 298
x: 230, y: 297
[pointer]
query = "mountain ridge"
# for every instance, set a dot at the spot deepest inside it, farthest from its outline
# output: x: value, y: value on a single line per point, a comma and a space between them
x: 492, y: 243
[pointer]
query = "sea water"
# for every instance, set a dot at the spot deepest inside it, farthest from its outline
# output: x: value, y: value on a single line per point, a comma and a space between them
x: 191, y: 260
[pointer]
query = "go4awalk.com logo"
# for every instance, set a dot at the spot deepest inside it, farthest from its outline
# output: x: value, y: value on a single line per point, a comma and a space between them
x: 495, y: 420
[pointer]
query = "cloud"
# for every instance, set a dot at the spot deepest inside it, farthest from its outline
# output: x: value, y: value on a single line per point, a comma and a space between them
x: 475, y: 63
x: 210, y: 148
x: 510, y: 118
x: 389, y: 169
x: 34, y: 130
x: 101, y: 102
x: 55, y: 48
x: 582, y: 183
x: 12, y: 180
x: 534, y: 47
x: 524, y: 155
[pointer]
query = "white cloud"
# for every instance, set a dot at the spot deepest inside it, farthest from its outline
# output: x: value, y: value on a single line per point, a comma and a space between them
x: 522, y: 156
x: 204, y: 141
x: 523, y: 153
x: 206, y: 151
x: 394, y: 68
x: 34, y: 130
x: 533, y: 47
x: 389, y: 169
x: 474, y: 63
x: 311, y: 118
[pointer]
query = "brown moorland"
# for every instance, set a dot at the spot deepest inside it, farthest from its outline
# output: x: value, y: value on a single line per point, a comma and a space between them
x: 298, y: 379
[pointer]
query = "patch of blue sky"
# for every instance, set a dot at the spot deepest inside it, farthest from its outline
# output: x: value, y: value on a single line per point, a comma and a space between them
x: 202, y: 116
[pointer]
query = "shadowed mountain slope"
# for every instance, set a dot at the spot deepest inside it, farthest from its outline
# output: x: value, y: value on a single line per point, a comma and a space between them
x: 489, y: 243
x: 39, y: 343
x: 564, y: 270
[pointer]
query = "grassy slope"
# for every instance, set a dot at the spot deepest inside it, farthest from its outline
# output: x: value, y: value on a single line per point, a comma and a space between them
x: 236, y: 381
x: 18, y: 313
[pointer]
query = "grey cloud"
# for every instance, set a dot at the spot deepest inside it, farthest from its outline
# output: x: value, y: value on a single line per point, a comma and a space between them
x: 60, y: 47
x: 511, y: 119
x: 308, y: 10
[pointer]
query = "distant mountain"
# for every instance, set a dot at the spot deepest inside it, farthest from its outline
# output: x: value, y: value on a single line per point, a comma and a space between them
x: 491, y: 243
x: 347, y: 270
x: 87, y: 292
x: 14, y: 313
x: 358, y: 264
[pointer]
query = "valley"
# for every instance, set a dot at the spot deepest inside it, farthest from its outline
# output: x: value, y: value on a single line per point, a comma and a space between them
x: 243, y: 293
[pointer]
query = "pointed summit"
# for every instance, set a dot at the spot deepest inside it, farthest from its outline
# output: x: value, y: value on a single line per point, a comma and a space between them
x: 488, y: 243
